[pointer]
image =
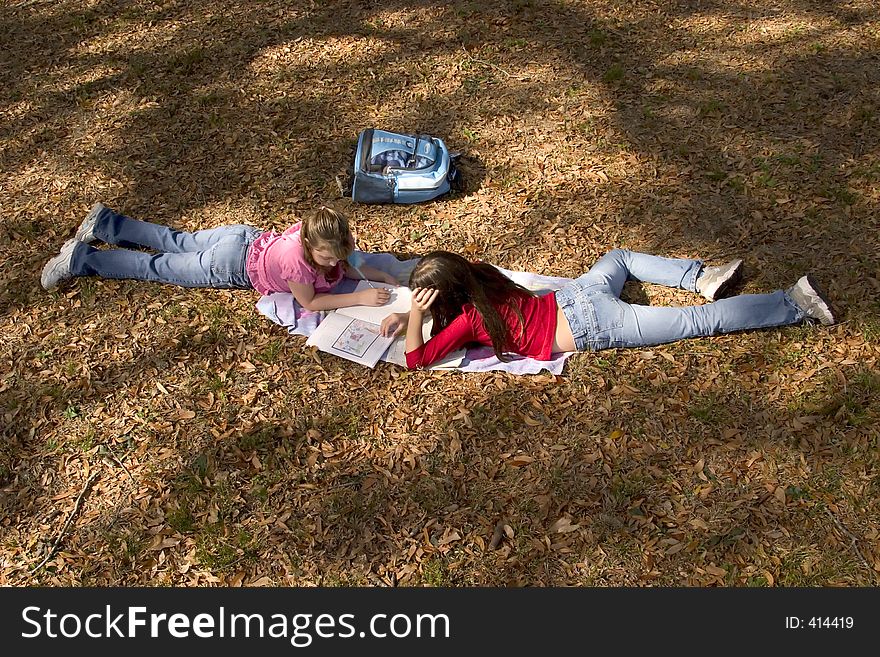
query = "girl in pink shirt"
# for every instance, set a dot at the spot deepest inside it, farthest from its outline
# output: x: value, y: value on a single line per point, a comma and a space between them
x: 308, y: 259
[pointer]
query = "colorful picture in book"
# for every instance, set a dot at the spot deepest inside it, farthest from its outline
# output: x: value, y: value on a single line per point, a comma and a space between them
x: 357, y: 338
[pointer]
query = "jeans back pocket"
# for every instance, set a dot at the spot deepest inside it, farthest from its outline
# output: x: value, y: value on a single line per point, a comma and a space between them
x: 228, y: 262
x: 607, y: 312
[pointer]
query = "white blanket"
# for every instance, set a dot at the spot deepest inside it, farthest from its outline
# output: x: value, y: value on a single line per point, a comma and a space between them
x: 283, y: 309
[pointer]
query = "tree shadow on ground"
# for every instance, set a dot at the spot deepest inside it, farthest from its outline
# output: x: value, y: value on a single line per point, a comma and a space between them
x: 178, y: 97
x: 616, y: 128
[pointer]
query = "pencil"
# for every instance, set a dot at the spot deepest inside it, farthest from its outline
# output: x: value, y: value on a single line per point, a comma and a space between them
x: 364, y: 277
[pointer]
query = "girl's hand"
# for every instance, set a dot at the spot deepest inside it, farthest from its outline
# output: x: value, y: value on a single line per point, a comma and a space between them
x: 374, y: 296
x: 394, y: 324
x: 423, y: 297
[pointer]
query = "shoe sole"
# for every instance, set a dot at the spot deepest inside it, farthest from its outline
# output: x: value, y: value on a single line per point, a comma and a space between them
x: 824, y: 303
x: 65, y: 255
x: 80, y: 233
x: 734, y: 278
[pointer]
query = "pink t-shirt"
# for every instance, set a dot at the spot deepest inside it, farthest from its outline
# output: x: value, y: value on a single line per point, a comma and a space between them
x: 274, y: 259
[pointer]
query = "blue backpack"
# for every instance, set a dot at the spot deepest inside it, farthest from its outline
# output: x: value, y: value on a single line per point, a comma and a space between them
x: 391, y: 167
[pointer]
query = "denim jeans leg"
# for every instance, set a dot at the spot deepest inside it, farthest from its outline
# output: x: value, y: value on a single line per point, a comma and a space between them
x: 115, y: 228
x: 600, y: 320
x: 221, y: 266
x: 644, y: 326
x: 202, y: 240
x: 672, y: 272
x: 617, y: 266
x: 610, y: 271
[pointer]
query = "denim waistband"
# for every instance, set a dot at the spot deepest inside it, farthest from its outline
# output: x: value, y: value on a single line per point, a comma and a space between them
x: 595, y: 315
x: 577, y: 308
x: 250, y: 239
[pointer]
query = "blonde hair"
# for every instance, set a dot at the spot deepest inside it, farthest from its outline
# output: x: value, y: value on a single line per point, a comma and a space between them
x: 326, y: 229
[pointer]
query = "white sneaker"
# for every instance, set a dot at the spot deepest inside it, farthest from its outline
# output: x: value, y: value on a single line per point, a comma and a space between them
x: 86, y: 231
x: 58, y: 268
x: 715, y: 282
x: 810, y: 298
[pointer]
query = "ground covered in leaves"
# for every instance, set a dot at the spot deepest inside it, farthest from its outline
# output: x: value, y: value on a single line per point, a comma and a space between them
x: 155, y: 435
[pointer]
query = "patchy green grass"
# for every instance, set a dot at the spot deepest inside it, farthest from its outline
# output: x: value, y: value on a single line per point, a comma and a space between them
x: 613, y: 74
x: 710, y: 409
x: 220, y: 552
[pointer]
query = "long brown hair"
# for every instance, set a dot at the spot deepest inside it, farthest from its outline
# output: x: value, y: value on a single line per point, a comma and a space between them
x: 326, y: 229
x: 459, y: 282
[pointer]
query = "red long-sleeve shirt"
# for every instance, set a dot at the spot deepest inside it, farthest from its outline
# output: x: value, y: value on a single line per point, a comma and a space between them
x: 534, y: 338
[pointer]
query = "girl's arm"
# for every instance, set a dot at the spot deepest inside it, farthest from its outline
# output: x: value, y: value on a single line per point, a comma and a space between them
x: 414, y: 340
x: 310, y: 300
x: 420, y: 353
x: 422, y: 298
x: 369, y: 273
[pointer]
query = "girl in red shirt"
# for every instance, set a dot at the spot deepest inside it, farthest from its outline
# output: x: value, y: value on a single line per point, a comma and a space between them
x: 475, y: 303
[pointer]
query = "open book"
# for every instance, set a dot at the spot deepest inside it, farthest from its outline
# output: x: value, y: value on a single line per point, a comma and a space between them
x: 355, y: 332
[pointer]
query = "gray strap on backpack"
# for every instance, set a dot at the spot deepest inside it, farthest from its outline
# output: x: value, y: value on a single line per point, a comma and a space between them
x: 412, y: 160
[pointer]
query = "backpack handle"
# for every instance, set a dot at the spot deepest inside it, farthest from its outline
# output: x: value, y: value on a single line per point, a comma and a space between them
x: 412, y: 158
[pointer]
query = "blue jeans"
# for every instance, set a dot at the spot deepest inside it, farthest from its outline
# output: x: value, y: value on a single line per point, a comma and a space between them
x: 600, y: 320
x: 207, y: 258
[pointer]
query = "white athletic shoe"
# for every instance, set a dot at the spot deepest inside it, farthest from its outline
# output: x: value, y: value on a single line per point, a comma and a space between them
x: 86, y: 231
x: 715, y: 282
x: 58, y: 268
x: 810, y: 298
